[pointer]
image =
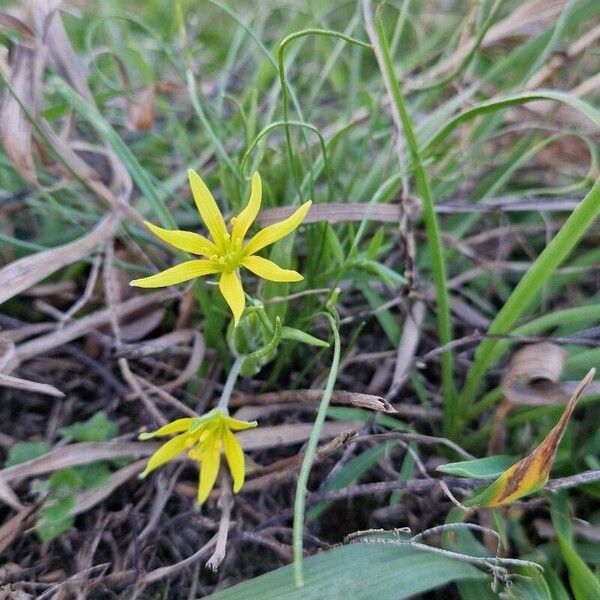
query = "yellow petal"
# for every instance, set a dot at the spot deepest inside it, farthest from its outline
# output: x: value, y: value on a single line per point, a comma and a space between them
x: 208, y: 209
x: 272, y: 233
x: 184, y: 240
x: 235, y: 459
x: 177, y: 426
x: 269, y: 270
x: 178, y: 274
x: 209, y: 468
x: 237, y: 425
x: 166, y: 452
x: 246, y: 217
x: 232, y: 291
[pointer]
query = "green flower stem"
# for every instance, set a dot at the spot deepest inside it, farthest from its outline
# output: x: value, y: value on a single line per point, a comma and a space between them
x: 434, y: 241
x: 230, y: 382
x: 309, y: 455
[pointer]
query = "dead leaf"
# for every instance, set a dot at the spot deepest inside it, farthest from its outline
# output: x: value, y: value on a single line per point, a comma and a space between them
x: 26, y: 65
x: 29, y: 386
x: 532, y: 472
x: 25, y: 272
x: 335, y: 212
x: 50, y: 31
x: 368, y: 401
x: 140, y: 109
x: 82, y: 326
x: 83, y: 453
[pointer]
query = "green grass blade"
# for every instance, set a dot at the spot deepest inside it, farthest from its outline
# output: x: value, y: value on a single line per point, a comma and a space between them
x: 434, y: 241
x: 362, y: 571
x: 107, y: 132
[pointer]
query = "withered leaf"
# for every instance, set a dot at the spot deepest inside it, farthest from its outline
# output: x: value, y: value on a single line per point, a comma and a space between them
x: 532, y: 472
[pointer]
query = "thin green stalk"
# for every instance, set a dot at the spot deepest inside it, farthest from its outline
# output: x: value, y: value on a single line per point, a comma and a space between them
x: 284, y: 86
x: 191, y: 86
x: 434, y: 241
x: 309, y: 455
x: 530, y: 284
x: 468, y: 56
x: 230, y: 382
x: 107, y: 132
x: 252, y: 145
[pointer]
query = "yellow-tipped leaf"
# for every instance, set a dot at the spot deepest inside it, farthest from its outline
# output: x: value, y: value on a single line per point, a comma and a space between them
x: 532, y: 472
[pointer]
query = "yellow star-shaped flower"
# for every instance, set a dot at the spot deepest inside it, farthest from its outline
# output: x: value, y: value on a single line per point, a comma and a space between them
x: 204, y: 438
x: 226, y: 252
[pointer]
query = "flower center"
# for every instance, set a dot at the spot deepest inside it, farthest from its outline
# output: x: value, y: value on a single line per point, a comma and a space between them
x: 231, y: 257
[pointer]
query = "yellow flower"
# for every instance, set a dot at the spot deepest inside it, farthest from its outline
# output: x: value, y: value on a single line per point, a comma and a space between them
x: 204, y: 438
x: 226, y: 252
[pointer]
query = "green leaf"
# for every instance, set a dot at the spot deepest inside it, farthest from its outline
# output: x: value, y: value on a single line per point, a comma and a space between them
x: 105, y: 130
x: 96, y: 429
x: 65, y: 481
x: 555, y: 585
x: 584, y: 583
x: 94, y: 474
x: 349, y: 473
x: 256, y: 360
x: 58, y: 509
x: 291, y: 333
x: 49, y: 530
x: 23, y: 451
x: 529, y: 585
x: 375, y: 244
x: 382, y: 272
x: 479, y: 468
x: 365, y: 571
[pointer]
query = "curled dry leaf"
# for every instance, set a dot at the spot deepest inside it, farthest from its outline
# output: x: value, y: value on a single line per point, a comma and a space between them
x: 532, y: 378
x: 533, y: 373
x: 532, y: 472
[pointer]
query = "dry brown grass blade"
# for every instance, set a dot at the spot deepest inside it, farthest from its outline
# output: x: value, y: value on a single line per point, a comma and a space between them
x: 29, y: 386
x: 286, y: 468
x: 8, y: 497
x: 376, y: 403
x: 73, y: 455
x: 11, y: 529
x: 82, y: 326
x: 336, y: 212
x: 411, y: 334
x: 166, y: 343
x: 25, y: 73
x: 88, y: 452
x: 9, y: 22
x: 49, y: 29
x: 518, y: 23
x: 25, y: 272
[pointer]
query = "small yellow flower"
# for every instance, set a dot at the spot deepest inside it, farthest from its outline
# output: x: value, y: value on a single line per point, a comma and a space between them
x: 226, y: 252
x: 204, y: 438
